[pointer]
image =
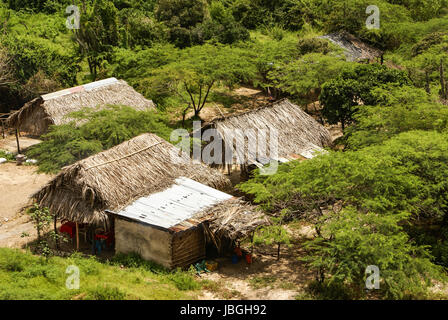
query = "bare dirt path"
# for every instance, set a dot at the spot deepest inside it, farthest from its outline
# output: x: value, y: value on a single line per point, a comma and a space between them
x: 17, y: 184
x: 10, y: 143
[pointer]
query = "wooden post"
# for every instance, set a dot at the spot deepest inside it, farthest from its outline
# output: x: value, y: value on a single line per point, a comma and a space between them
x: 56, y: 232
x: 17, y: 140
x: 77, y: 236
x: 442, y: 81
x: 252, y: 248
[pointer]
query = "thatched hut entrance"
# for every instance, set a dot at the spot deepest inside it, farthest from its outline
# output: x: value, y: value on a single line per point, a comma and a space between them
x: 88, y: 238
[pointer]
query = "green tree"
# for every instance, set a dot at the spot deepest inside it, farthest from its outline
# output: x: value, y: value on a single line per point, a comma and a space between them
x: 304, y: 77
x: 98, y: 34
x: 273, y: 234
x: 350, y: 241
x: 198, y: 70
x: 42, y: 219
x: 404, y: 109
x: 182, y: 17
x: 342, y: 96
x: 404, y: 174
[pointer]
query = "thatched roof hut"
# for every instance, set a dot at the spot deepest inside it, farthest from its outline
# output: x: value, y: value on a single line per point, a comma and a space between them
x: 113, y: 179
x: 298, y: 134
x: 37, y: 115
x: 354, y: 48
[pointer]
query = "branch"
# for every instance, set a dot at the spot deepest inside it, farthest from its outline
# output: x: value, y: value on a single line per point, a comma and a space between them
x: 191, y: 97
x: 206, y: 96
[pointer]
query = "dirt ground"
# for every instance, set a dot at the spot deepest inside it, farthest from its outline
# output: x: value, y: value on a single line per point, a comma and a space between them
x: 17, y: 184
x: 267, y: 277
x: 10, y: 144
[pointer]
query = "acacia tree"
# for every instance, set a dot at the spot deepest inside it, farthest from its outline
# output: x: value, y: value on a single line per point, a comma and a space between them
x: 273, y: 234
x: 304, y: 77
x: 199, y: 69
x: 350, y: 241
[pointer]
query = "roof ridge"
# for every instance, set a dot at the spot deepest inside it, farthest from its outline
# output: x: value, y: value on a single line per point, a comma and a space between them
x: 125, y: 156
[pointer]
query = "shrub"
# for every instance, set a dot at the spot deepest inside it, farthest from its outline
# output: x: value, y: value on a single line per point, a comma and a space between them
x: 105, y: 293
x: 134, y: 260
x: 351, y: 241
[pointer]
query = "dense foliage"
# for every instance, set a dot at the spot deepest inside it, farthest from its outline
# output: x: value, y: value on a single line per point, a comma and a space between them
x: 386, y: 187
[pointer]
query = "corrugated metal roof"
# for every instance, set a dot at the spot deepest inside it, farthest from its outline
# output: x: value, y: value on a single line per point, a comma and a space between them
x: 86, y: 87
x: 308, y: 152
x: 175, y: 206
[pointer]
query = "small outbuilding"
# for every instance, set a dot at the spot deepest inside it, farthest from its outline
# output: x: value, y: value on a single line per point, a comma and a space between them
x: 280, y: 131
x: 36, y: 116
x: 172, y: 227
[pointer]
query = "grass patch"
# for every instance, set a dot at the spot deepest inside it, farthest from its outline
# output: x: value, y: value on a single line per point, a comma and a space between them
x: 29, y: 277
x: 262, y: 282
x: 7, y: 155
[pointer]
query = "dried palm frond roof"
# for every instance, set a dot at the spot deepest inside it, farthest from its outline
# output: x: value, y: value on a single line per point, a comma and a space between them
x: 233, y: 219
x: 297, y: 131
x: 354, y: 48
x: 54, y: 107
x: 113, y: 179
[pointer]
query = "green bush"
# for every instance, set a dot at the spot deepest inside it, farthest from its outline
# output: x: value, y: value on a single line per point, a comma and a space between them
x: 7, y: 155
x: 134, y: 260
x: 105, y: 293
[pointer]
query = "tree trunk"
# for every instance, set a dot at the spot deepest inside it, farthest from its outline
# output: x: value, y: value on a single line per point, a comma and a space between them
x: 443, y: 93
x: 56, y: 232
x: 17, y: 140
x: 278, y: 252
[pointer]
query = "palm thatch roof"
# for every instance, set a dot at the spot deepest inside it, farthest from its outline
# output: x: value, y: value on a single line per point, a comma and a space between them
x: 113, y: 179
x: 354, y: 48
x: 299, y: 134
x: 233, y: 219
x: 37, y: 115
